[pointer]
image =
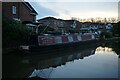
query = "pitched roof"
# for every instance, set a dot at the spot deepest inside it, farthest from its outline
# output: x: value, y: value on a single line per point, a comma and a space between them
x: 30, y: 7
x: 47, y: 18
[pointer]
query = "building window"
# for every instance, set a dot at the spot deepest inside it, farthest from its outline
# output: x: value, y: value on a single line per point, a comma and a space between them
x: 13, y: 9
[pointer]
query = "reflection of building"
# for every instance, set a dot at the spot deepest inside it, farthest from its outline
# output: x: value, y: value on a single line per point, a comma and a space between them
x: 105, y: 49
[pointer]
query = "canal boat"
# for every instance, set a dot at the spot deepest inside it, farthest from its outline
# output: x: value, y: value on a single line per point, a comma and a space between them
x: 39, y: 43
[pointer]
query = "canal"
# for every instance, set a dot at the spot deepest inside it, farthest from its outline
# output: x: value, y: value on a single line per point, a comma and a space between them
x: 92, y: 61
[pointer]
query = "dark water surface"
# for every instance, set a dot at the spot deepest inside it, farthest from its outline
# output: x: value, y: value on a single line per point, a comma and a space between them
x: 98, y: 61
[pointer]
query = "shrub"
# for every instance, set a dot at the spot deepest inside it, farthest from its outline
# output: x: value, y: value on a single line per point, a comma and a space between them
x: 14, y: 33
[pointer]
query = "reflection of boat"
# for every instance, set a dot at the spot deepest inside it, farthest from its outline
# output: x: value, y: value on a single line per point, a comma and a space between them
x: 23, y: 66
x: 52, y: 42
x: 45, y: 67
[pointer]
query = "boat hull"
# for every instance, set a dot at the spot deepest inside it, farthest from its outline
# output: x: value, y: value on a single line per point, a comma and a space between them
x: 58, y: 47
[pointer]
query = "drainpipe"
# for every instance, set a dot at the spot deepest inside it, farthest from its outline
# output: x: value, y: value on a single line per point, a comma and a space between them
x: 19, y: 10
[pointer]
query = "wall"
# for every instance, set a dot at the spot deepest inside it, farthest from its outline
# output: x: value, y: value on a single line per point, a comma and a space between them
x: 25, y: 13
x: 7, y: 9
x: 22, y: 12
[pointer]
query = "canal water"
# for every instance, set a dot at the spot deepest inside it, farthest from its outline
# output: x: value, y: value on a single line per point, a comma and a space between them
x: 92, y: 61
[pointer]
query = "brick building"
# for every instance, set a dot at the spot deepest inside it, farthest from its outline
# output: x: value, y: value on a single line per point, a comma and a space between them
x: 72, y: 26
x: 56, y: 24
x: 59, y: 25
x: 20, y: 11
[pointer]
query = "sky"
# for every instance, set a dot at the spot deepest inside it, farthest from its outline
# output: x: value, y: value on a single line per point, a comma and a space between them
x: 65, y: 9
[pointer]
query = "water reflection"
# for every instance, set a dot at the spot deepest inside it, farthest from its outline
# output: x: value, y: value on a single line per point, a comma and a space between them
x: 96, y: 66
x: 104, y: 49
x: 99, y: 61
x: 114, y: 45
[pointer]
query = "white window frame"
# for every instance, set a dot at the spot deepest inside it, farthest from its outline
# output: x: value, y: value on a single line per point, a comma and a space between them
x: 13, y: 9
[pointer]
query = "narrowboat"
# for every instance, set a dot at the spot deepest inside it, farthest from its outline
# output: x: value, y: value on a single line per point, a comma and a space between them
x: 39, y: 43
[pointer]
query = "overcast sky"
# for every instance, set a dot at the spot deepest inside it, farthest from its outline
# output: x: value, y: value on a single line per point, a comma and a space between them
x: 65, y: 9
